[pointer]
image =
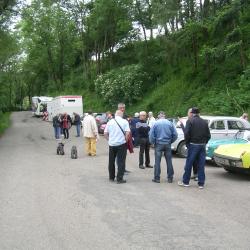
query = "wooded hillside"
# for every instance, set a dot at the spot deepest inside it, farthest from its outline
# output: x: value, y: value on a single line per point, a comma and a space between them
x: 151, y: 54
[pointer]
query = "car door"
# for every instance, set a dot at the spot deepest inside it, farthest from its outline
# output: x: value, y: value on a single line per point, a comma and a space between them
x: 218, y: 129
x: 233, y: 127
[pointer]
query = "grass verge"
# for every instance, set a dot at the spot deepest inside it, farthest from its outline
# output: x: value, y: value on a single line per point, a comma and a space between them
x: 4, y: 122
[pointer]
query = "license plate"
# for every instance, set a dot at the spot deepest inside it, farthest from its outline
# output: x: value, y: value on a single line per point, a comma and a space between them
x: 222, y: 161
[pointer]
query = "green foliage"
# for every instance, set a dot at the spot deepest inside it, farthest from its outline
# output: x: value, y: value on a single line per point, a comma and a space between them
x: 122, y: 84
x: 106, y: 51
x: 4, y: 122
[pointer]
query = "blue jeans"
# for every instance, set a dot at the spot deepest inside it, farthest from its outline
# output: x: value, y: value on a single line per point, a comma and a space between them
x: 78, y: 129
x: 195, y: 152
x: 57, y: 131
x: 166, y: 149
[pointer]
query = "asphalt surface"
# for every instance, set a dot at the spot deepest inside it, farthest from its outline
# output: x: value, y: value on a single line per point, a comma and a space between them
x: 54, y: 202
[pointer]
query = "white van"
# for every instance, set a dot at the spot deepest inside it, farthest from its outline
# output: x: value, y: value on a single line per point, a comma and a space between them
x: 39, y: 104
x: 65, y: 104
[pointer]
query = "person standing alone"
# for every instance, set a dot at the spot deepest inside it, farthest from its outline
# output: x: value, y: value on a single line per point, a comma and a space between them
x: 77, y: 121
x: 195, y: 164
x: 162, y: 135
x: 117, y: 132
x: 142, y: 131
x: 197, y: 135
x: 90, y: 133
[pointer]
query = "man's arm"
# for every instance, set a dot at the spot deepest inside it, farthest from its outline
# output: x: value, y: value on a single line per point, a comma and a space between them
x: 106, y: 132
x: 174, y: 134
x: 208, y: 134
x: 187, y: 131
x: 152, y: 135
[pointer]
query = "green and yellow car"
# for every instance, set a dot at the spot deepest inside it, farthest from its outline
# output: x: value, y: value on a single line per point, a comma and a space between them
x: 233, y: 157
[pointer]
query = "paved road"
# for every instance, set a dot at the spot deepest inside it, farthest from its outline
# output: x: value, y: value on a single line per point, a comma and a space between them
x: 54, y: 202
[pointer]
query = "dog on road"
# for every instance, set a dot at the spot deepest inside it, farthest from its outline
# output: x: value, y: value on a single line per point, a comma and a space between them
x: 73, y: 152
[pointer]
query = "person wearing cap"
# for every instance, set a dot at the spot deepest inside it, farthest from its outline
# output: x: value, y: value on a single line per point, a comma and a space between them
x: 143, y: 140
x: 197, y: 135
x: 162, y: 135
x: 151, y: 119
x: 195, y: 164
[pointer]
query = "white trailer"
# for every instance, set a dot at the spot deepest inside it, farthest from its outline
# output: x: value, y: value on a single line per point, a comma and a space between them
x: 65, y: 104
x: 39, y: 103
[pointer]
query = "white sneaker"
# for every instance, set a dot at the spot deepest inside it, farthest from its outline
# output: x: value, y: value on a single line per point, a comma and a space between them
x: 180, y: 183
x: 200, y: 187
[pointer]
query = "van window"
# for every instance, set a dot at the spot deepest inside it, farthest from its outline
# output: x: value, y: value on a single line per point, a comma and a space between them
x: 234, y: 125
x: 217, y: 125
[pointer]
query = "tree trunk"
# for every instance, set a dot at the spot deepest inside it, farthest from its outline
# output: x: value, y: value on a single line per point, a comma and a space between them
x: 61, y: 64
x: 195, y: 51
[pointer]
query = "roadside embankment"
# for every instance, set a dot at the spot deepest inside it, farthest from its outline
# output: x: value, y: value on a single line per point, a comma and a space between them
x: 4, y: 121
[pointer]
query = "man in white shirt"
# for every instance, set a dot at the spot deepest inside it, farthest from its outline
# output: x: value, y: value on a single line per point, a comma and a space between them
x: 117, y: 132
x: 90, y: 133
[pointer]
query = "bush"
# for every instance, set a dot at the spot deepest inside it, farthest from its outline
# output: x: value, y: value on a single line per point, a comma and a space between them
x: 122, y: 84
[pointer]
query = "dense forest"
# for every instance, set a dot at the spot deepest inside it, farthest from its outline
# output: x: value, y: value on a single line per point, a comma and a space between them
x: 151, y: 54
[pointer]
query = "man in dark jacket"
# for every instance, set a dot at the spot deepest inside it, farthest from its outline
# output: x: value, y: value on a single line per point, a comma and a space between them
x: 197, y: 135
x: 133, y: 129
x: 77, y: 121
x: 56, y: 125
x: 142, y: 129
x: 195, y: 164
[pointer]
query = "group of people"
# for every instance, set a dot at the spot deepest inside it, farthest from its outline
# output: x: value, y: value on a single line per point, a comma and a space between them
x: 63, y: 122
x: 146, y: 132
x: 161, y: 133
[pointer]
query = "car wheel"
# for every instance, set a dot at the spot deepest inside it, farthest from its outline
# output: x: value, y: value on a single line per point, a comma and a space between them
x: 228, y: 170
x: 182, y: 149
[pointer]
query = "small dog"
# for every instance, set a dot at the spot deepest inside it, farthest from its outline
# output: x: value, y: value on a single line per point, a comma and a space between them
x: 73, y: 152
x: 60, y: 149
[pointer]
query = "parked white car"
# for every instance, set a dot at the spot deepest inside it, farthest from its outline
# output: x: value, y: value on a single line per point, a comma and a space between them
x: 221, y: 127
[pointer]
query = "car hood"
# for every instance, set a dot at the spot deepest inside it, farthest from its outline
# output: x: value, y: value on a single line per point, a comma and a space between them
x: 233, y: 150
x: 217, y: 142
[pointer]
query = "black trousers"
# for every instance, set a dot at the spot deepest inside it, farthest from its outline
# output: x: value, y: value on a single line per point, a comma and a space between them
x: 119, y: 152
x: 66, y: 133
x: 144, y: 148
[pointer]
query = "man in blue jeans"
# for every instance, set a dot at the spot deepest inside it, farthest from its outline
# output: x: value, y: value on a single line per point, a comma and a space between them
x: 162, y: 135
x: 197, y: 135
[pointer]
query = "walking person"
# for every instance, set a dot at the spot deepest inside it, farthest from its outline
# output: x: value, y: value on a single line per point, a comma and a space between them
x: 117, y: 132
x: 66, y: 125
x: 197, y: 135
x: 143, y: 139
x: 195, y: 164
x: 90, y: 133
x: 56, y: 126
x: 162, y: 135
x: 77, y: 121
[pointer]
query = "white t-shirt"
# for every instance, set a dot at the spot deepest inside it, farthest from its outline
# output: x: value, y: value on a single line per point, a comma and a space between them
x: 151, y: 121
x: 116, y: 136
